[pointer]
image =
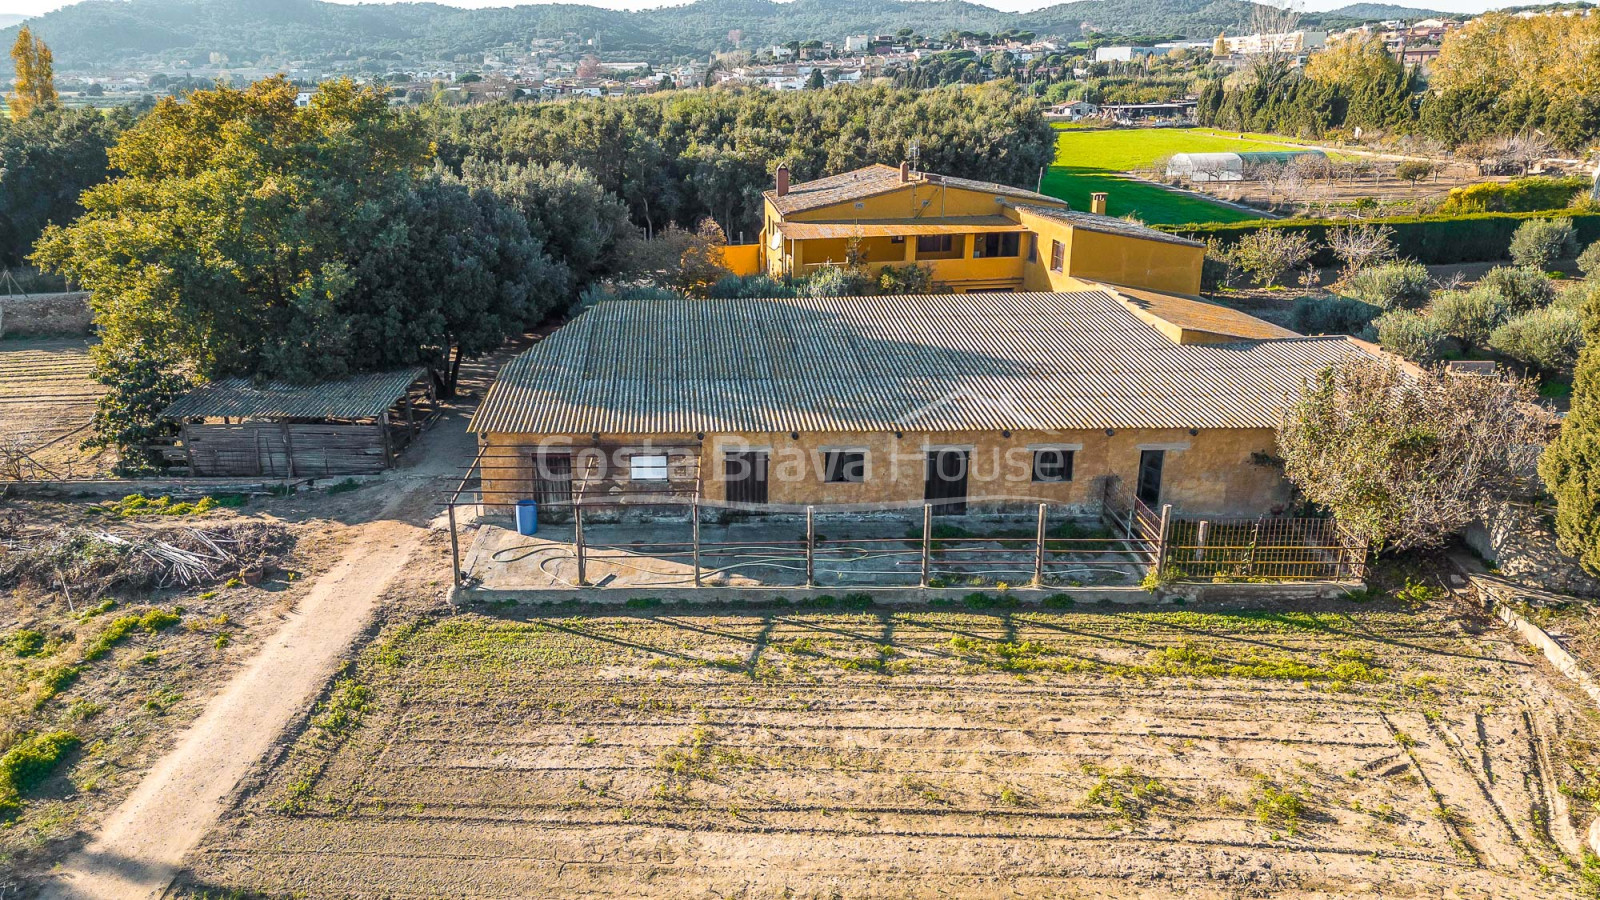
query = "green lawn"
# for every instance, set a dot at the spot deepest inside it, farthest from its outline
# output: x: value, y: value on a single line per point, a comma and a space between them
x: 1088, y: 161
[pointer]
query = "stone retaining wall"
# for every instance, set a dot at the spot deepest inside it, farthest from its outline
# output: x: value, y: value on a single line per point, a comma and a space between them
x: 41, y: 315
x: 1519, y: 540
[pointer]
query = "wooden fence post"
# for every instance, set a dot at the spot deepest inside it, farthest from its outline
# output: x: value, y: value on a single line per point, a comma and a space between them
x: 1161, y: 538
x: 696, y: 515
x: 927, y: 539
x: 1200, y: 540
x: 811, y: 547
x: 1038, y: 551
x: 577, y: 520
x: 1255, y: 539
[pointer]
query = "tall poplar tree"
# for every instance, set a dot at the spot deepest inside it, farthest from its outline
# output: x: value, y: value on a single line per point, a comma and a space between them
x: 35, y: 85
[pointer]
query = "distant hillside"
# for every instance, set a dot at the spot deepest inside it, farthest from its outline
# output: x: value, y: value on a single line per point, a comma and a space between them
x: 1378, y: 12
x: 97, y: 34
x: 8, y: 19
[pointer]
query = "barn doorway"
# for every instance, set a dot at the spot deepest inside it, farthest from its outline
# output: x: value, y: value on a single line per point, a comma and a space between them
x: 1151, y: 462
x: 945, y: 481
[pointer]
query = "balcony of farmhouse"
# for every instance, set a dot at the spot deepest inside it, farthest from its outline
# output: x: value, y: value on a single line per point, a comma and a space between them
x: 966, y: 253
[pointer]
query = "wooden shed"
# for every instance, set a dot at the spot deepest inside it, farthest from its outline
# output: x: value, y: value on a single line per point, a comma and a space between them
x: 352, y: 426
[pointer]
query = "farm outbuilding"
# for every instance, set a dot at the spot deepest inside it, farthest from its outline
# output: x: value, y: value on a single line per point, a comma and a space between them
x: 352, y: 426
x: 1232, y: 166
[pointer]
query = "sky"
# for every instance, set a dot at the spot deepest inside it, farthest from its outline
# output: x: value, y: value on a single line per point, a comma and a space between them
x: 9, y: 8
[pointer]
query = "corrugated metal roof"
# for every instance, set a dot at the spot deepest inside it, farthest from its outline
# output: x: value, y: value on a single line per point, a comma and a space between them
x: 357, y: 397
x: 801, y: 231
x: 870, y: 181
x: 1106, y: 224
x: 954, y: 362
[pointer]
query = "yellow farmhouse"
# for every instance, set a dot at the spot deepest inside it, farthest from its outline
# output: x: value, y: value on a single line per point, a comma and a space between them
x: 972, y: 235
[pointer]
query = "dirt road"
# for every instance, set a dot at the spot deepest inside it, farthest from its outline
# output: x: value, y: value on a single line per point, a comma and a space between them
x: 138, y: 849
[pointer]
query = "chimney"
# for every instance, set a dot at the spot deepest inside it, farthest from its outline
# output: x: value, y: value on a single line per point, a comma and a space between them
x: 1097, y: 203
x: 905, y: 172
x: 783, y: 179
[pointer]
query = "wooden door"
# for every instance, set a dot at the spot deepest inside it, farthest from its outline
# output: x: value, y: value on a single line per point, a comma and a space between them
x: 745, y: 476
x: 945, y: 481
x: 552, y: 485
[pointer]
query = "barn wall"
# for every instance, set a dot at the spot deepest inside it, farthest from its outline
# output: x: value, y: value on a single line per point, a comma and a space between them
x: 1212, y: 472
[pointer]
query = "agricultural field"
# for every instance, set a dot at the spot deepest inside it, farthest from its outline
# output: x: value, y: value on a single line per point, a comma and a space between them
x: 46, y: 403
x: 1089, y: 161
x: 1371, y: 747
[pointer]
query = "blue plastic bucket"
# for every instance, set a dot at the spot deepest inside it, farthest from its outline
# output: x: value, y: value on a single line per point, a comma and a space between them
x: 527, y: 517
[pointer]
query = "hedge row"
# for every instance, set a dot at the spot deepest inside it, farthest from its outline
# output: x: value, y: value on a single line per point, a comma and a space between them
x: 1432, y: 240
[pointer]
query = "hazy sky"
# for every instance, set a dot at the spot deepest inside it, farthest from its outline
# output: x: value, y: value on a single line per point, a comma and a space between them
x: 35, y: 7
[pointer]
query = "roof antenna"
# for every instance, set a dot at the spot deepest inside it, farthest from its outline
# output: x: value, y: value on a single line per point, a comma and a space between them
x: 914, y: 154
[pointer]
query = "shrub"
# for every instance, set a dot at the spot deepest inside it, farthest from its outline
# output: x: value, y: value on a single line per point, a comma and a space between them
x: 1411, y: 335
x: 909, y: 279
x: 28, y: 762
x: 1517, y: 195
x: 1413, y: 170
x: 1589, y: 260
x: 1469, y: 316
x: 1396, y: 285
x: 754, y: 286
x: 834, y: 281
x: 1545, y: 339
x: 1429, y: 239
x: 1539, y: 242
x: 1523, y: 288
x: 1270, y: 252
x: 1579, y: 296
x: 1331, y: 315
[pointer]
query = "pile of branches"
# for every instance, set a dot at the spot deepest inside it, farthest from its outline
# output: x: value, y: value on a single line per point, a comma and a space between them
x: 91, y: 561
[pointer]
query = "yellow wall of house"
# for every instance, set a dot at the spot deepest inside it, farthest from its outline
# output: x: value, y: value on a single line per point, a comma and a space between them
x: 1112, y: 258
x: 741, y: 259
x: 1213, y: 472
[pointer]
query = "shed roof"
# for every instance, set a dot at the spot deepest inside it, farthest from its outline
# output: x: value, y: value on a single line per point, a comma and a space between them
x: 356, y: 397
x: 954, y: 362
x: 870, y: 181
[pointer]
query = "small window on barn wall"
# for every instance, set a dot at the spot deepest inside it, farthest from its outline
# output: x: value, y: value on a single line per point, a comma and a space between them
x: 1052, y: 465
x: 1058, y: 256
x: 647, y: 467
x: 1033, y: 248
x: 845, y: 466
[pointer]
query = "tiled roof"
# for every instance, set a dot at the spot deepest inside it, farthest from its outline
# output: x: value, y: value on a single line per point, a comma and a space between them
x: 357, y: 397
x: 1195, y: 314
x: 1106, y: 224
x: 955, y: 362
x: 870, y: 181
x: 895, y: 227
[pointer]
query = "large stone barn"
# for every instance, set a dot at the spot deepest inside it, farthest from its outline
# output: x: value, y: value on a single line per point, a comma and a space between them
x: 970, y: 402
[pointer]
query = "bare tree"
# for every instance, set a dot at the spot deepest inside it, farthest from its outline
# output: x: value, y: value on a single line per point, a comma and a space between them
x: 1360, y: 246
x: 1270, y: 22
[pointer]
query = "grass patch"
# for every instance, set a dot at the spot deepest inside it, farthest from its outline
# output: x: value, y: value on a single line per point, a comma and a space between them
x: 1339, y: 667
x: 339, y: 715
x: 153, y: 621
x: 1128, y: 795
x: 1276, y: 805
x: 29, y: 762
x: 136, y: 505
